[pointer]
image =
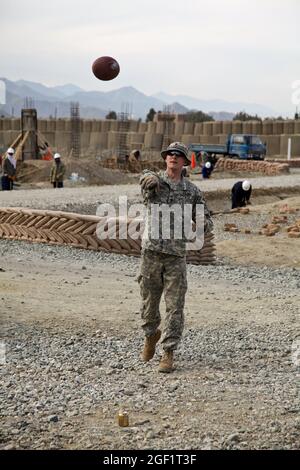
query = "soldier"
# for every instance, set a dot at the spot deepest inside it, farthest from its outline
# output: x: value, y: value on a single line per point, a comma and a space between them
x: 57, y: 172
x: 163, y: 262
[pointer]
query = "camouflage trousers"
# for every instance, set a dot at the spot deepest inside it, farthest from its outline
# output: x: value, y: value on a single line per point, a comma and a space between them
x: 163, y: 273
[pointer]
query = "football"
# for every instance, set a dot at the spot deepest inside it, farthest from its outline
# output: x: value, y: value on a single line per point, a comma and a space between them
x: 105, y: 68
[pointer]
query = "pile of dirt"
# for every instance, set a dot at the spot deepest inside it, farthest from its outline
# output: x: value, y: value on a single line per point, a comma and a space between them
x: 89, y: 171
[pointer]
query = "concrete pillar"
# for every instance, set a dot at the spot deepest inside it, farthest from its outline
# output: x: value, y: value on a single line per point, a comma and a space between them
x: 295, y: 145
x: 29, y: 123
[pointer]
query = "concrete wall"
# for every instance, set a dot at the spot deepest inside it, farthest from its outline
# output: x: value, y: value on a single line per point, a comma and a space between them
x: 102, y: 135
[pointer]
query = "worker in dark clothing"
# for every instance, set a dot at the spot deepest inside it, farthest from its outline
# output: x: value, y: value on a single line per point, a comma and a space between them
x: 240, y: 194
x: 206, y: 170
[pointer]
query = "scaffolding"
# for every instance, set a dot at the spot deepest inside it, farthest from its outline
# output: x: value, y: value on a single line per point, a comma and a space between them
x: 75, y: 130
x: 124, y: 126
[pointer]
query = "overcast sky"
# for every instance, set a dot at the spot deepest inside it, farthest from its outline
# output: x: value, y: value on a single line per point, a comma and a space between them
x: 236, y: 50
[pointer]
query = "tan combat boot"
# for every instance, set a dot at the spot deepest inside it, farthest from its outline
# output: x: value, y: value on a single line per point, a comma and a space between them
x: 166, y: 362
x: 149, y: 346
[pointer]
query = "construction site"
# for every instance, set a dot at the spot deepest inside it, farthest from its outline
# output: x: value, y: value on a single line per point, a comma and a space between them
x: 71, y: 335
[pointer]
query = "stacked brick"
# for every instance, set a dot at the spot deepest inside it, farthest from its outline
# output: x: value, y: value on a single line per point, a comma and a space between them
x: 267, y: 168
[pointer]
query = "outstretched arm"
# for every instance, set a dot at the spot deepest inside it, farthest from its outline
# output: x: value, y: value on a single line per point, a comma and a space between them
x: 150, y: 184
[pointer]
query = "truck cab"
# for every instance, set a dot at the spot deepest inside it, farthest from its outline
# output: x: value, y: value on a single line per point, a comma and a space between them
x: 242, y: 146
x: 245, y: 147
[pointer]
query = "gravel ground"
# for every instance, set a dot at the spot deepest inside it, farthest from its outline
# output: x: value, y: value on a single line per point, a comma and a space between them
x: 71, y: 337
x: 236, y: 385
x: 71, y: 198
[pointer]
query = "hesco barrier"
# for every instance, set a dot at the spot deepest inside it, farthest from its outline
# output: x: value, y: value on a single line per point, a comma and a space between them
x: 78, y: 230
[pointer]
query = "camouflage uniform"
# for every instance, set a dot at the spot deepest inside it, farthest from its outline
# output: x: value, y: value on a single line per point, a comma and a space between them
x: 163, y: 263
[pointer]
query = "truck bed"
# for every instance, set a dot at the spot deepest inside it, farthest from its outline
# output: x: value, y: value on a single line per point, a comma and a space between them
x: 210, y: 148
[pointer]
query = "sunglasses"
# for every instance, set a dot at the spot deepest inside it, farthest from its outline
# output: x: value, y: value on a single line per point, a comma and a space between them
x: 175, y: 154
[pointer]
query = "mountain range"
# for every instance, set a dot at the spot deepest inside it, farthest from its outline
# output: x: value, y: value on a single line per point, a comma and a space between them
x: 55, y: 101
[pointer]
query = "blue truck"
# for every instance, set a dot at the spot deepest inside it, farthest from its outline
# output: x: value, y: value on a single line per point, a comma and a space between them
x: 241, y: 146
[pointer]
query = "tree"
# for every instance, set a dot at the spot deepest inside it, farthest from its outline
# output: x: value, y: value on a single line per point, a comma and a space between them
x: 243, y: 116
x: 150, y: 115
x: 111, y: 115
x: 198, y: 116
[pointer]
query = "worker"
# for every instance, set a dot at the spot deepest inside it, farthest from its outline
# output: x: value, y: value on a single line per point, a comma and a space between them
x: 9, y: 166
x: 240, y: 194
x: 57, y: 172
x: 206, y: 170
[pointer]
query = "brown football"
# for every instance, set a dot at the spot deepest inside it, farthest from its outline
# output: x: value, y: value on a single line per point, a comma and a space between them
x: 105, y: 68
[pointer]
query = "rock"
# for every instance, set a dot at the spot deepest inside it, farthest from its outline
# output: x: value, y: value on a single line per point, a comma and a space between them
x: 53, y: 418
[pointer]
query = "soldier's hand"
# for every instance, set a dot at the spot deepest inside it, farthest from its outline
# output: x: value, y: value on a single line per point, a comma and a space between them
x: 150, y: 182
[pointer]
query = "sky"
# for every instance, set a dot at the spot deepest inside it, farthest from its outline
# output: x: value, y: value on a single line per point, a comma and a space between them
x: 235, y: 50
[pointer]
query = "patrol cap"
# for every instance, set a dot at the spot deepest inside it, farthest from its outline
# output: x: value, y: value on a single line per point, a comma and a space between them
x: 178, y: 148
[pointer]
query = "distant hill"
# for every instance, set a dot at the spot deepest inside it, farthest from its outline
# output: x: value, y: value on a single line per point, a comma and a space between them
x: 213, y: 106
x: 55, y: 101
